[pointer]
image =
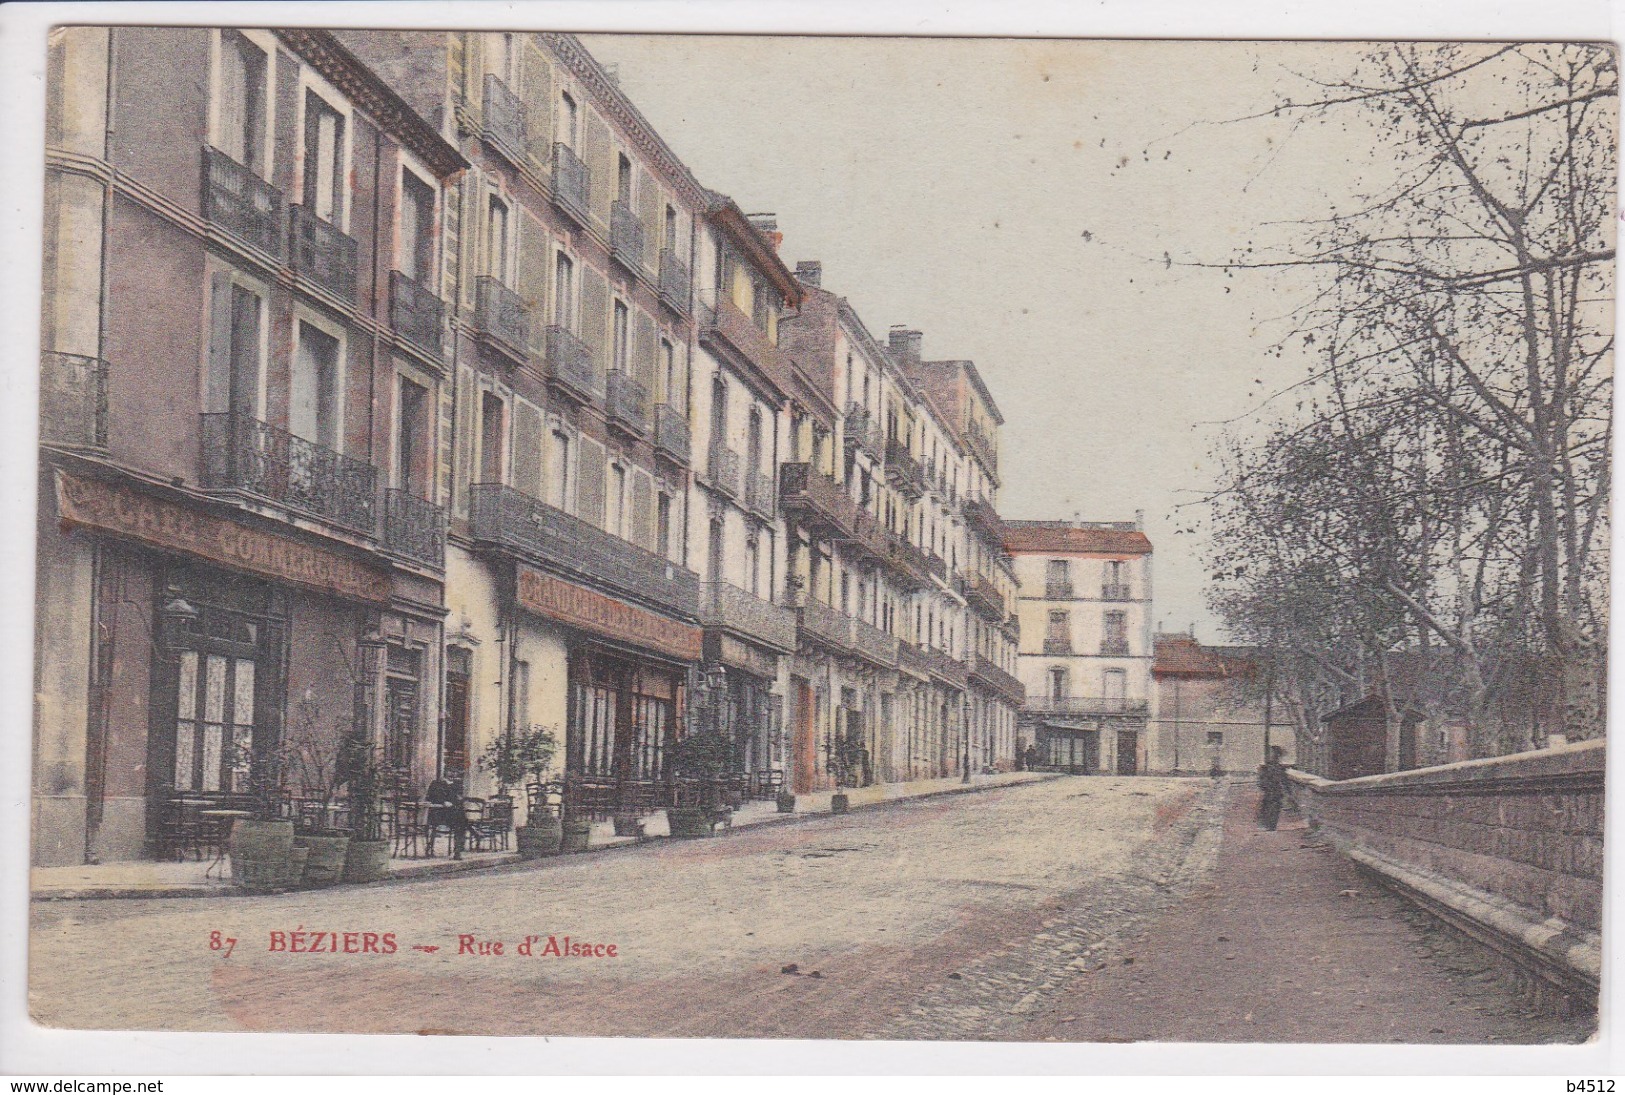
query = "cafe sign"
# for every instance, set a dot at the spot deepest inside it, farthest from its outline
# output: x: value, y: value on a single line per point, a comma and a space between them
x: 606, y: 616
x: 122, y: 510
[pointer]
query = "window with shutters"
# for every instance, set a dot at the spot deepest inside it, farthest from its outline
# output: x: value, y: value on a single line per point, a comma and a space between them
x: 663, y: 524
x: 560, y: 483
x: 669, y: 239
x: 323, y: 159
x: 241, y: 123
x: 1060, y: 627
x: 643, y: 510
x: 569, y: 121
x: 622, y: 336
x: 236, y: 346
x: 623, y: 179
x: 315, y: 391
x: 412, y: 437
x: 527, y: 448
x: 668, y: 373
x: 498, y: 241
x: 713, y: 561
x: 416, y: 258
x: 615, y: 502
x: 590, y: 477
x: 493, y: 423
x: 564, y: 292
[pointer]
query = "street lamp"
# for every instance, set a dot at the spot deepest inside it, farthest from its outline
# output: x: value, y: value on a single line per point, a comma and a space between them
x: 964, y: 707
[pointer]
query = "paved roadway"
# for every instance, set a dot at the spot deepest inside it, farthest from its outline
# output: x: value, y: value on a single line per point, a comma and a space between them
x: 971, y: 916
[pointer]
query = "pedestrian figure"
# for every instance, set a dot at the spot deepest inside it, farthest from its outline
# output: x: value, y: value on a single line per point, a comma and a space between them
x: 445, y: 800
x: 1271, y: 781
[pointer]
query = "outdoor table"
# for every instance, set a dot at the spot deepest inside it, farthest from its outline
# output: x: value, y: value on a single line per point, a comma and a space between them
x: 227, y: 819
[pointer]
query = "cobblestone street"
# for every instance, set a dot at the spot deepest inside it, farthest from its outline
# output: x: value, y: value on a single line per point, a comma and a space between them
x: 975, y: 916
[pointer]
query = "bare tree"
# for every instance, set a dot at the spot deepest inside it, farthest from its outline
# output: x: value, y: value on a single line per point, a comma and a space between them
x: 1444, y: 479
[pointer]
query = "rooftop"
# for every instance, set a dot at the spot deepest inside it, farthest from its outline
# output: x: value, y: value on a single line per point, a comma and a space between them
x: 1061, y: 537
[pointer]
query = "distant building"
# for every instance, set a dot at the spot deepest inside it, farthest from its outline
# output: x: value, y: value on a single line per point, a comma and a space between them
x: 1085, y: 617
x: 1209, y: 707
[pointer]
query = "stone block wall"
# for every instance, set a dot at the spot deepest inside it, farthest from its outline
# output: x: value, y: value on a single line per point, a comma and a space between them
x: 1509, y: 847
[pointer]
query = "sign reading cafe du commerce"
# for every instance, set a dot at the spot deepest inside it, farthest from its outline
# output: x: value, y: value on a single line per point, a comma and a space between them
x: 123, y: 511
x: 594, y: 612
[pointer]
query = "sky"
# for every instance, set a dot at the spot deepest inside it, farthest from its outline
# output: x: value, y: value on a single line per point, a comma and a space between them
x: 1041, y: 207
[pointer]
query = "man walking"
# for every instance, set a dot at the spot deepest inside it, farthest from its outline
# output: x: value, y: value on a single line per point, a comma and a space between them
x: 1271, y: 781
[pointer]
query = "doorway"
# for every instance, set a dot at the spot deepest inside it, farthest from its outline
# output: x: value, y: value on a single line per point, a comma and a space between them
x: 1128, y: 753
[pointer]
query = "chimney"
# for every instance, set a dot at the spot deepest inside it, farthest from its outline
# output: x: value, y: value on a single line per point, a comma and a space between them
x: 905, y: 344
x: 810, y: 272
x: 768, y: 225
x: 1139, y: 519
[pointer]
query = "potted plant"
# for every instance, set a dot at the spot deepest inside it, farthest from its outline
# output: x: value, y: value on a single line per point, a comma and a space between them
x: 786, y: 802
x: 316, y: 757
x: 262, y: 849
x: 512, y: 758
x: 366, y: 858
x: 703, y: 757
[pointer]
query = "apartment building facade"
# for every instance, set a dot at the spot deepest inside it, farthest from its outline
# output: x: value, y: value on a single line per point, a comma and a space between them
x: 1086, y: 643
x: 1209, y: 712
x: 239, y: 533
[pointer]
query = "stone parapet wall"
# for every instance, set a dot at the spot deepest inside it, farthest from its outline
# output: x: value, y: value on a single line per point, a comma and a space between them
x: 1507, y: 848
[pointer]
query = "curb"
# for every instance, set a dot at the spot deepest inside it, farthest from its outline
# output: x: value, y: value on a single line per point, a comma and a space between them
x: 451, y: 867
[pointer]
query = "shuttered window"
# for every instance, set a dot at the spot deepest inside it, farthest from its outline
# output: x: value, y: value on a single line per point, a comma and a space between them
x: 590, y: 482
x: 527, y: 447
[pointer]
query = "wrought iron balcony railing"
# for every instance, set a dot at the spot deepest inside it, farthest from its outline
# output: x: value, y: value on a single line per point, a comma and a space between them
x: 722, y: 469
x: 907, y: 562
x: 870, y: 642
x: 1115, y: 648
x: 817, y: 498
x: 73, y: 401
x: 671, y: 434
x: 983, y: 446
x: 572, y: 184
x: 627, y: 403
x: 1116, y: 591
x: 903, y: 470
x: 723, y: 325
x: 826, y: 625
x: 417, y: 314
x: 244, y: 454
x: 987, y: 673
x: 674, y: 282
x: 319, y: 251
x: 504, y: 118
x: 733, y: 609
x: 415, y: 528
x: 1057, y: 646
x: 759, y: 497
x: 242, y: 203
x: 1058, y: 591
x: 983, y: 596
x: 570, y: 367
x: 505, y: 518
x: 500, y: 317
x: 981, y: 516
x: 863, y: 431
x: 1086, y: 705
x: 944, y: 666
x: 625, y: 236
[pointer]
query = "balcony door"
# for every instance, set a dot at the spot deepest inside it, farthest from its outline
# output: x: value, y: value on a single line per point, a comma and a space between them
x: 1114, y: 687
x: 235, y: 348
x: 315, y: 398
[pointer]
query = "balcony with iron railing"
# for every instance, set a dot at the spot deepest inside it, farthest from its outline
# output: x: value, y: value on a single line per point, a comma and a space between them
x: 504, y: 118
x: 903, y: 471
x: 242, y: 203
x: 873, y: 644
x: 981, y: 516
x: 817, y: 499
x: 626, y: 403
x: 572, y: 184
x: 944, y: 666
x: 1086, y: 705
x: 416, y: 314
x: 1114, y: 648
x: 982, y: 444
x: 1058, y: 591
x: 625, y: 237
x: 414, y: 528
x: 723, y: 468
x: 863, y: 431
x: 1053, y: 645
x: 73, y: 401
x: 733, y: 609
x: 674, y: 282
x: 983, y: 597
x: 906, y: 562
x: 1116, y: 591
x: 505, y: 518
x: 912, y: 658
x: 321, y: 253
x: 823, y: 624
x: 671, y: 434
x: 500, y: 317
x: 875, y: 541
x: 723, y: 326
x: 987, y: 673
x: 759, y: 495
x: 570, y: 368
x: 246, y: 455
x: 1011, y: 627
